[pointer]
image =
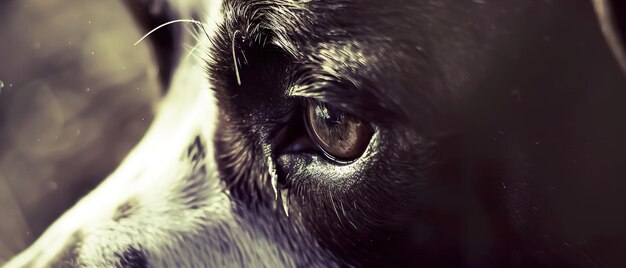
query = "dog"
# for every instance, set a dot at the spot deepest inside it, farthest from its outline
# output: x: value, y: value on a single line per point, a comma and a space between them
x: 339, y: 133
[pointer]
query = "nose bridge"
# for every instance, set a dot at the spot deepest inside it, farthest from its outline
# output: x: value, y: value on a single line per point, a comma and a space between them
x: 68, y: 254
x: 58, y: 251
x: 149, y: 172
x: 58, y: 246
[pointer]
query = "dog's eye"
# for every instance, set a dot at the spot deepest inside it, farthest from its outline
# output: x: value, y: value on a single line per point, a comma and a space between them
x: 341, y: 136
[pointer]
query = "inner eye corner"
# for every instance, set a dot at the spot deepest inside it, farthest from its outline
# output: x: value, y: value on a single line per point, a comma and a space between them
x: 292, y: 136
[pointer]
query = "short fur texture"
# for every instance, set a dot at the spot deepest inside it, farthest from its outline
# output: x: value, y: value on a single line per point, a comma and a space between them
x: 498, y: 143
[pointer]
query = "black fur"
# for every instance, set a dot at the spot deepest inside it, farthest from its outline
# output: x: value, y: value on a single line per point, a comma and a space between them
x: 499, y: 141
x: 132, y: 258
x: 125, y: 210
x: 483, y: 113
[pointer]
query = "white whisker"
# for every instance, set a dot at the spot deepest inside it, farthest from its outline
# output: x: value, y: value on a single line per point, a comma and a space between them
x: 194, y: 33
x: 165, y: 24
x: 193, y: 49
x: 235, y: 61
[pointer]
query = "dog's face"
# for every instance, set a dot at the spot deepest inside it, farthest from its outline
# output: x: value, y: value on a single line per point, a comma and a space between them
x: 321, y: 121
x: 369, y: 132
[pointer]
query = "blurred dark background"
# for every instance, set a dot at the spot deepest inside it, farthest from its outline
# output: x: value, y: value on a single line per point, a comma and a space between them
x: 75, y: 97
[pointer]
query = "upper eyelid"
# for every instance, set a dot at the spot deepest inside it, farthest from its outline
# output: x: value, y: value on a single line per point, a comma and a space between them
x: 372, y: 112
x: 309, y: 78
x: 349, y: 94
x: 317, y: 91
x: 311, y: 81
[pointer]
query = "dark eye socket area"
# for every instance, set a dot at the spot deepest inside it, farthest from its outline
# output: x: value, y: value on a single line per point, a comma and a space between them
x: 340, y: 136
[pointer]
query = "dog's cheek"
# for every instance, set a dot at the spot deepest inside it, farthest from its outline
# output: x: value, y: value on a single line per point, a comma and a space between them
x: 361, y: 211
x: 112, y: 246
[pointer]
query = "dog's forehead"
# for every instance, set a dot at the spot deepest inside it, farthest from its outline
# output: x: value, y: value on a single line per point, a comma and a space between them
x: 425, y: 55
x: 378, y: 47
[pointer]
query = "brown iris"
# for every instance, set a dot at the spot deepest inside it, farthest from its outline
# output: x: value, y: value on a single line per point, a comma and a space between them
x: 340, y: 135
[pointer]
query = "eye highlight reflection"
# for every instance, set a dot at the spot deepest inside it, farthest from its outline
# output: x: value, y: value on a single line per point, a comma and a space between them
x: 341, y: 136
